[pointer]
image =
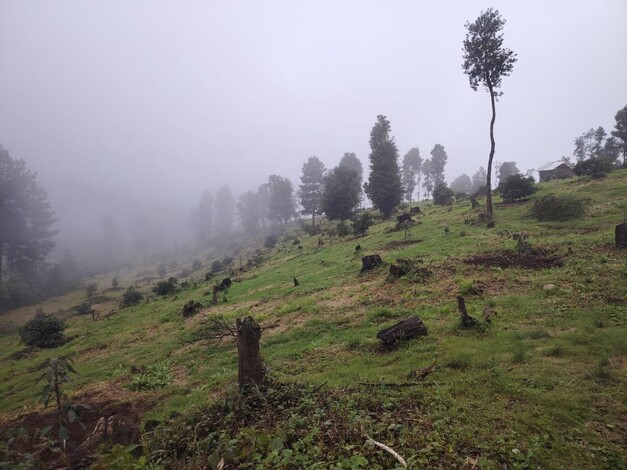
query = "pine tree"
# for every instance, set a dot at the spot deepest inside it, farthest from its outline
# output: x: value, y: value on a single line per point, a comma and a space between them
x: 311, y: 186
x: 384, y: 182
x: 341, y: 193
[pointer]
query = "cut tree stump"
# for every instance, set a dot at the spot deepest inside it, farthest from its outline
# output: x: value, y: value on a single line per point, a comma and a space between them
x: 467, y: 320
x: 191, y: 308
x: 251, y: 370
x: 409, y: 328
x: 620, y: 235
x: 370, y: 261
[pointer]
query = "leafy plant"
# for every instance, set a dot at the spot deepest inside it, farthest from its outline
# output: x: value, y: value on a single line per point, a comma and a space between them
x: 57, y: 375
x: 155, y: 376
x: 523, y: 247
x: 43, y: 331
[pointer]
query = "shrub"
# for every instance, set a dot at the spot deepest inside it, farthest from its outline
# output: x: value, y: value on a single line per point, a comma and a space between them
x: 554, y: 207
x: 593, y: 167
x: 166, y: 287
x: 131, y: 297
x: 343, y: 230
x: 362, y: 223
x: 271, y: 240
x: 115, y: 283
x: 517, y: 187
x: 84, y: 308
x: 443, y: 195
x: 196, y: 265
x: 43, y: 331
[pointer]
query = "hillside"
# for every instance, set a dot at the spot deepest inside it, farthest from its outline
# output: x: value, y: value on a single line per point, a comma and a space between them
x: 542, y: 385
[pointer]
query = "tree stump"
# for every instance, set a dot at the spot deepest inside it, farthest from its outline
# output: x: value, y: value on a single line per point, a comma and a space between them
x: 409, y: 328
x: 369, y: 262
x: 296, y: 283
x: 191, y: 308
x: 620, y: 235
x: 467, y: 320
x: 251, y: 370
x: 225, y: 284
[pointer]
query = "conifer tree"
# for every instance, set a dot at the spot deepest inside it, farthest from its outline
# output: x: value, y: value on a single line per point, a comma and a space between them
x: 311, y: 187
x: 384, y: 182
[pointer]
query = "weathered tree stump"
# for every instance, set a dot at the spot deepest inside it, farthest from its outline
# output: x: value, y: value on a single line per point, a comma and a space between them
x: 251, y: 370
x: 409, y: 328
x: 296, y: 283
x: 620, y: 235
x: 467, y: 320
x: 225, y: 284
x: 191, y: 308
x: 369, y: 262
x: 415, y: 211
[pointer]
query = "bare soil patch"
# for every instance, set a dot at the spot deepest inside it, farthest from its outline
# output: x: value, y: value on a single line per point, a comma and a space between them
x: 394, y: 244
x: 540, y: 259
x: 83, y: 443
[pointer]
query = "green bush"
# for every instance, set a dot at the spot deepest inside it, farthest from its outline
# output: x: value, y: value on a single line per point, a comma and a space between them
x: 362, y: 223
x: 443, y: 195
x: 343, y: 229
x: 517, y: 187
x: 43, y: 331
x: 166, y: 287
x: 131, y: 297
x: 554, y: 207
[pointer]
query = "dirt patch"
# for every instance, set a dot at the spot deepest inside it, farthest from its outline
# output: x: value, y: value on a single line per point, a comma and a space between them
x: 511, y: 259
x: 107, y: 402
x: 394, y: 244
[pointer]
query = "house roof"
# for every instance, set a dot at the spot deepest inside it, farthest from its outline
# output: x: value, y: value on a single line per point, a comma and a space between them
x: 553, y: 165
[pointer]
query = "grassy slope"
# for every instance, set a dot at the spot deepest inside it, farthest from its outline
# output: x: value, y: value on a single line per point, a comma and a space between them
x: 547, y: 376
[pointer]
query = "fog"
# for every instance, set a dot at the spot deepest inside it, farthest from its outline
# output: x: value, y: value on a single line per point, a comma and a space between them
x: 128, y: 108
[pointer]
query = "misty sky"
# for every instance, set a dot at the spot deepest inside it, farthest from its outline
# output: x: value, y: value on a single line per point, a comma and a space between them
x: 123, y: 104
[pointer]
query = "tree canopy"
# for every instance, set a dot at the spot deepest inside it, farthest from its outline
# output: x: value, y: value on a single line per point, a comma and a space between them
x: 280, y: 199
x: 486, y: 62
x: 384, y: 182
x: 341, y: 193
x: 620, y: 132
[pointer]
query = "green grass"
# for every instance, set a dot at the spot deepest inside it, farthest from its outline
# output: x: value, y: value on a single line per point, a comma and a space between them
x: 542, y: 386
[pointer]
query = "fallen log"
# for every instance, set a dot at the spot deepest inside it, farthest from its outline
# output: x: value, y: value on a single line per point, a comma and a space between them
x: 409, y: 328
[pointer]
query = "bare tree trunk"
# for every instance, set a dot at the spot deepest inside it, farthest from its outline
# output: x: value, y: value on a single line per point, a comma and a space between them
x: 489, y: 209
x: 251, y: 369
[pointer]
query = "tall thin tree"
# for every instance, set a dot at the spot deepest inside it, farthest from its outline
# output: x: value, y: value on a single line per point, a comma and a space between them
x: 486, y: 62
x: 311, y: 187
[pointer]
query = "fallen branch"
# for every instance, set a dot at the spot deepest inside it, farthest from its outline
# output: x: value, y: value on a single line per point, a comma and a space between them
x: 389, y: 450
x: 420, y: 374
